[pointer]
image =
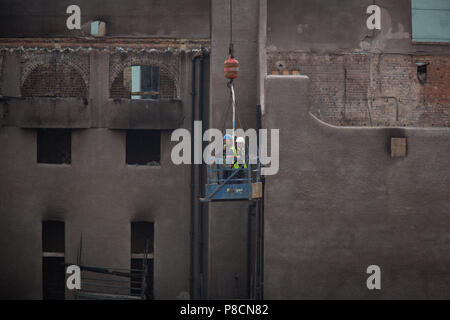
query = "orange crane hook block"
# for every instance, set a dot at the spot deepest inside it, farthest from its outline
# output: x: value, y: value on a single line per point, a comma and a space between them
x: 231, y: 68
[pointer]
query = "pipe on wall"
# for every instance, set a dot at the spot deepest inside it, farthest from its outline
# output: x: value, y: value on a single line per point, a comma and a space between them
x: 192, y: 290
x: 200, y: 182
x: 250, y: 215
x: 260, y: 222
x: 192, y: 183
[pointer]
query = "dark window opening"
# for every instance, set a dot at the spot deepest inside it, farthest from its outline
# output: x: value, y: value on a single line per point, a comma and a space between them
x: 53, y: 268
x: 144, y: 82
x: 54, y: 146
x: 142, y: 237
x: 143, y: 147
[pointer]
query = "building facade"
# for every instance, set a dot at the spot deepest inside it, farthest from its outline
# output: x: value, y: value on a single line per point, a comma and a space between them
x: 85, y: 146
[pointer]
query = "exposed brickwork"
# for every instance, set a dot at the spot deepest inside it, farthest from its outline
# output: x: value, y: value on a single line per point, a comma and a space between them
x: 373, y: 89
x: 118, y: 90
x: 168, y: 64
x: 55, y: 79
x: 77, y: 60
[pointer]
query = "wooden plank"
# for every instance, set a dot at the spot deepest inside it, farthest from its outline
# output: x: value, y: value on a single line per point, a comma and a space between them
x: 105, y: 296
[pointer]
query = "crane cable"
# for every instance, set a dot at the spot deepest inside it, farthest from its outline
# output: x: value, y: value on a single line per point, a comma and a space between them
x: 231, y: 48
x: 231, y: 70
x: 230, y: 82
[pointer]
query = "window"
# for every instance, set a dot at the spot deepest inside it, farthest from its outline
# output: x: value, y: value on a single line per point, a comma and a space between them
x: 142, y: 237
x: 431, y: 20
x: 98, y: 28
x: 144, y: 82
x: 54, y: 146
x: 143, y: 147
x: 53, y: 268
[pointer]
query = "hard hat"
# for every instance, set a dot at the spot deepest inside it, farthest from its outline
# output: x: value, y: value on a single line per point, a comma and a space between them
x: 227, y: 137
x: 240, y: 139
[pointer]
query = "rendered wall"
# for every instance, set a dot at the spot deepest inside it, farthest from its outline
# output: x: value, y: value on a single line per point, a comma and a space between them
x: 97, y: 195
x: 340, y: 203
x: 138, y: 18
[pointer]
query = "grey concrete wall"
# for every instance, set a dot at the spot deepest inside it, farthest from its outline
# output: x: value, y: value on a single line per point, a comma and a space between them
x: 340, y: 203
x: 227, y: 267
x: 140, y: 18
x: 97, y: 196
x: 333, y: 25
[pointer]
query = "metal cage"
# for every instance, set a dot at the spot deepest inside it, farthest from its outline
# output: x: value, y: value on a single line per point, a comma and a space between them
x: 224, y: 182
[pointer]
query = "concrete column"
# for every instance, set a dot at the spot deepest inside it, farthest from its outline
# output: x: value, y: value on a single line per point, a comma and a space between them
x: 98, y: 87
x: 10, y: 86
x: 227, y: 239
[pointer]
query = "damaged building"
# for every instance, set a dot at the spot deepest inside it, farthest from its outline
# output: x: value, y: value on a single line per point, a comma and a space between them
x: 86, y: 177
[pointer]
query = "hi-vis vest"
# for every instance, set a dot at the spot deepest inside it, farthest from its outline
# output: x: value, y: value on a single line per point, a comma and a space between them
x: 242, y: 154
x: 235, y: 154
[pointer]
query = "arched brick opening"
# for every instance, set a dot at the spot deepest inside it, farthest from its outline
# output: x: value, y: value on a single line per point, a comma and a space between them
x: 54, y: 80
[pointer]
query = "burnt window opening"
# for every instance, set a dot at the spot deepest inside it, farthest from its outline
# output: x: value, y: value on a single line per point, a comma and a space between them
x: 144, y: 82
x: 53, y: 252
x: 142, y: 238
x: 54, y: 146
x: 422, y: 72
x: 143, y: 147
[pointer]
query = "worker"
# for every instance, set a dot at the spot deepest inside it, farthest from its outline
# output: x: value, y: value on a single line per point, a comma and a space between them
x: 240, y: 153
x: 240, y: 159
x: 229, y: 155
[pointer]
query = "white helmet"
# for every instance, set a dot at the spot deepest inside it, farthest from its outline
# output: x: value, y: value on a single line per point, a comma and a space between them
x: 240, y: 140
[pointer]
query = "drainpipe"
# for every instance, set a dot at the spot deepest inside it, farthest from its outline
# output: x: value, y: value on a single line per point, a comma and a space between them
x: 200, y: 182
x: 261, y: 274
x: 250, y: 215
x: 192, y: 183
x: 260, y: 222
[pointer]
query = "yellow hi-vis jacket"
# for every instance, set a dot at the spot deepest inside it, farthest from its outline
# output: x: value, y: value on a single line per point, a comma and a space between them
x: 239, y: 153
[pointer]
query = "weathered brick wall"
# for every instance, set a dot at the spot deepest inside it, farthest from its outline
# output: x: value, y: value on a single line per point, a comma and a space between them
x: 167, y: 62
x: 54, y: 80
x: 118, y: 90
x: 372, y: 89
x: 58, y: 74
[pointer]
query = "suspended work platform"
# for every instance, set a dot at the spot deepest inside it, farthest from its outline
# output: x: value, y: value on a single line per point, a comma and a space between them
x: 224, y: 182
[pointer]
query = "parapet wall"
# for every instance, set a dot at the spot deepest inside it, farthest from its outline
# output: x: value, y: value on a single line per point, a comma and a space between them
x: 340, y: 203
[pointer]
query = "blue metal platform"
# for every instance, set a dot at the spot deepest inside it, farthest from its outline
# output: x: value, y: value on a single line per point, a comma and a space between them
x: 224, y: 182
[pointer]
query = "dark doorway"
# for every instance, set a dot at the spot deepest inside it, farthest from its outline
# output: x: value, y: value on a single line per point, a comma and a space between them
x: 142, y: 237
x: 53, y: 268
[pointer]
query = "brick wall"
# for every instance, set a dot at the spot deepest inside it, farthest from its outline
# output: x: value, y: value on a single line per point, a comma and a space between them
x: 54, y: 80
x: 372, y: 89
x: 57, y: 73
x: 118, y: 89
